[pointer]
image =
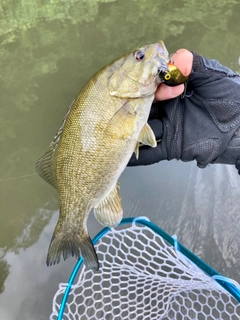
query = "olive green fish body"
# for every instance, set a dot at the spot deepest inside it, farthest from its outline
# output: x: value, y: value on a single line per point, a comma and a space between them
x: 100, y: 132
x: 93, y: 145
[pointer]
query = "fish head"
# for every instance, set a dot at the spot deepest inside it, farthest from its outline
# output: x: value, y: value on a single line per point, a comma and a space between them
x: 137, y: 73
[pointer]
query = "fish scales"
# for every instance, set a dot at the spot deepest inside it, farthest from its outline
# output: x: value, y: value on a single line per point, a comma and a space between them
x: 87, y: 147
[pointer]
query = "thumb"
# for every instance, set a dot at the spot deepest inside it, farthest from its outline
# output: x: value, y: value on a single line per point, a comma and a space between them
x: 165, y: 92
x: 183, y: 59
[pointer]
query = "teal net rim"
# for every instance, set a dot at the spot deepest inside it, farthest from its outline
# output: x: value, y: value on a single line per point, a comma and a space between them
x: 229, y: 285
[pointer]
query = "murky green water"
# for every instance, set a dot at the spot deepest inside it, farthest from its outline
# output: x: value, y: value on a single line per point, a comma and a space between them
x: 48, y: 51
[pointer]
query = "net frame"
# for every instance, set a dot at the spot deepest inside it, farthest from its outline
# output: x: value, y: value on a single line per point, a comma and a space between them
x: 229, y: 285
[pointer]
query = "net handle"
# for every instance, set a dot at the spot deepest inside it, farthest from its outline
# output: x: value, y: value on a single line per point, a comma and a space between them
x: 226, y: 283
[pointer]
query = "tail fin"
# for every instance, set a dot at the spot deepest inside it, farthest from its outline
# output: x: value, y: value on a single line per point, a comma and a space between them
x: 70, y: 245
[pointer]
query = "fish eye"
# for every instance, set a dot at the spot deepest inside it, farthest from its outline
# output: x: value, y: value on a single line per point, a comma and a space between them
x: 139, y: 55
x: 167, y: 76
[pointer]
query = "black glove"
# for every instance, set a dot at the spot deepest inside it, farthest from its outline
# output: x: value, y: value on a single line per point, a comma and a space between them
x: 203, y: 125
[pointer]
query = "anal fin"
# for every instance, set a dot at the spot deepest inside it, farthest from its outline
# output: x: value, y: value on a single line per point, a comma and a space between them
x: 109, y: 211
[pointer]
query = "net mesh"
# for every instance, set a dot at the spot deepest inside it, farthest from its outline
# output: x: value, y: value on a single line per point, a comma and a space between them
x: 141, y: 276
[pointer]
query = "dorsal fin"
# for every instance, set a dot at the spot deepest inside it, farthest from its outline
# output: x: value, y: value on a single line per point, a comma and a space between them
x: 46, y: 166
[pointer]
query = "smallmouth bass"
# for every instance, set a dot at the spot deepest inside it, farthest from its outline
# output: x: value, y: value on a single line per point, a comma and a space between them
x: 103, y: 127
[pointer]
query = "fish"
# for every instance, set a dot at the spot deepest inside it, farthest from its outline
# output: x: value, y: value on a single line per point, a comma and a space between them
x: 103, y: 127
x: 173, y: 76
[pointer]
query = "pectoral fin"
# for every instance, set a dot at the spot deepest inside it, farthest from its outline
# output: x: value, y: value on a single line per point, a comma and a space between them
x: 109, y: 211
x: 119, y: 116
x: 122, y: 123
x: 147, y: 136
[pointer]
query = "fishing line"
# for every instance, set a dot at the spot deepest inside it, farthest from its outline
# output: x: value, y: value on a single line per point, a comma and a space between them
x: 18, y: 177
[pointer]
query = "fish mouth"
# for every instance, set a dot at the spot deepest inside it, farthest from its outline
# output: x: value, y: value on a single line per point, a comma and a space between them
x: 163, y: 69
x: 162, y: 73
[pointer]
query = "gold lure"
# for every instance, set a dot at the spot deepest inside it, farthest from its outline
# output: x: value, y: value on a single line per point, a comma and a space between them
x: 173, y: 77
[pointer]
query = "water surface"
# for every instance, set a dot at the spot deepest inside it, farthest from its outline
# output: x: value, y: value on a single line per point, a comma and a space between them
x: 48, y: 51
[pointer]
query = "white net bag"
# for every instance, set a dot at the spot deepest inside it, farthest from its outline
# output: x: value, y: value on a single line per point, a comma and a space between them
x: 142, y: 276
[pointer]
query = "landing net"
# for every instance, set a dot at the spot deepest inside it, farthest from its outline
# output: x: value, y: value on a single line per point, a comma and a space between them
x: 145, y: 274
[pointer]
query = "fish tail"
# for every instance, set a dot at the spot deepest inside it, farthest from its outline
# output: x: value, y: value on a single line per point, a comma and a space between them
x: 70, y: 245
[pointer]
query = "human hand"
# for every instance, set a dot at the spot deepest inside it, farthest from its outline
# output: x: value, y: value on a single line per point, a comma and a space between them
x: 203, y: 125
x: 183, y: 59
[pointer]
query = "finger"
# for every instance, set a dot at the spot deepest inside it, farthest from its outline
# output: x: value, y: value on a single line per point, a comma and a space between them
x: 183, y: 59
x: 165, y: 92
